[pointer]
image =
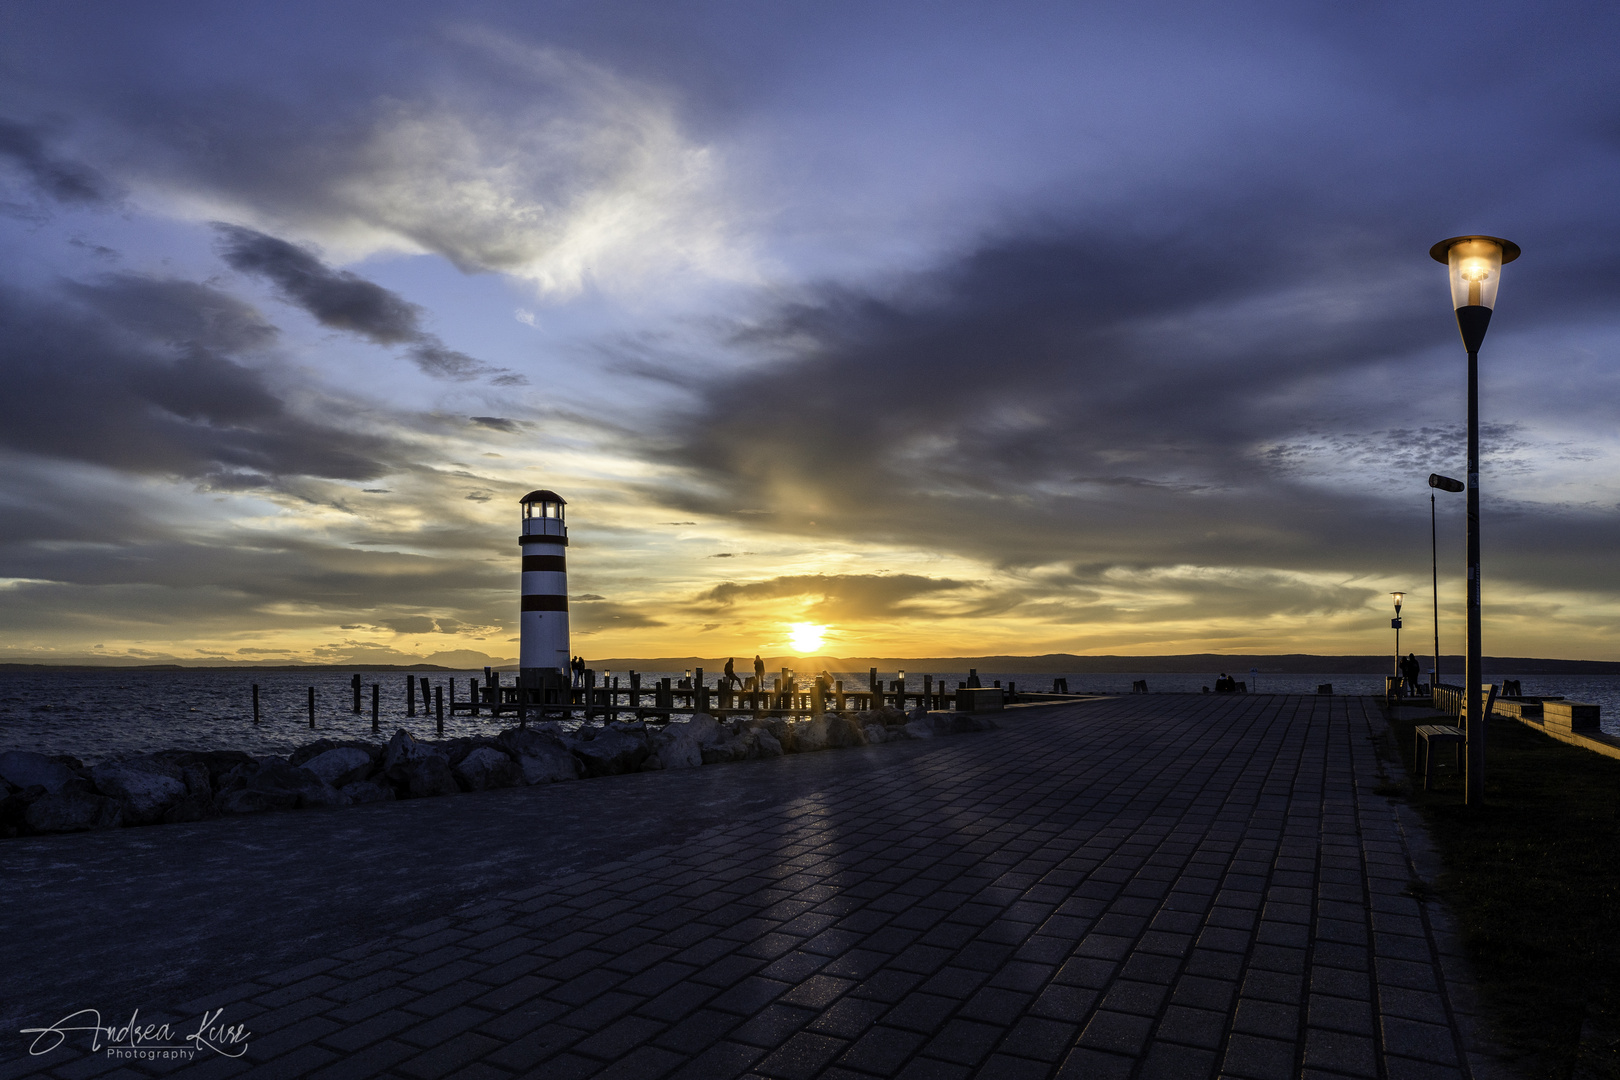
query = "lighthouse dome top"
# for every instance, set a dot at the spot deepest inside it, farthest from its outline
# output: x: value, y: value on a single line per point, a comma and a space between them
x: 543, y: 495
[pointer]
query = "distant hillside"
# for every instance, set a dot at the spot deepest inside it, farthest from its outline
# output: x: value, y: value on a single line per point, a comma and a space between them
x: 1069, y: 664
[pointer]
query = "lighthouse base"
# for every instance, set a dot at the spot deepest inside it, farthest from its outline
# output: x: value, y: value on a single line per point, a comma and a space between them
x: 542, y: 678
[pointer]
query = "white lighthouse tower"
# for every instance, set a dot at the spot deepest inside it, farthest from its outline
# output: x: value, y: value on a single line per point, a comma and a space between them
x: 544, y: 650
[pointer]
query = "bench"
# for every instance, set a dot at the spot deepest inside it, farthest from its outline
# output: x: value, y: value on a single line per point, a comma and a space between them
x: 1423, y: 750
x: 1569, y: 716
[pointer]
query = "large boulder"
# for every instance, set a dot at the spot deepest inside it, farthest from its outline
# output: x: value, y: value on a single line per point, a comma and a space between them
x: 485, y: 768
x: 341, y: 765
x: 367, y: 791
x: 26, y: 769
x: 541, y: 754
x: 74, y: 811
x: 703, y: 728
x: 810, y: 735
x: 919, y: 729
x: 613, y: 750
x: 146, y: 786
x: 673, y: 748
x: 843, y: 732
x: 781, y: 729
x: 273, y: 783
x: 766, y: 744
x: 416, y: 770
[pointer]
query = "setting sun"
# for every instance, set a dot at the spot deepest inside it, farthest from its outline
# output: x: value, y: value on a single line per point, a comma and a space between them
x: 806, y: 637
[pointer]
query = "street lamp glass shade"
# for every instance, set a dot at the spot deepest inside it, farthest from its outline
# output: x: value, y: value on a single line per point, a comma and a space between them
x: 1475, y: 263
x: 1398, y: 597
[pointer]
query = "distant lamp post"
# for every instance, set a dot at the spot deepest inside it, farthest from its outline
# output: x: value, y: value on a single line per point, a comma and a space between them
x: 1437, y: 483
x: 1475, y: 263
x: 1399, y: 598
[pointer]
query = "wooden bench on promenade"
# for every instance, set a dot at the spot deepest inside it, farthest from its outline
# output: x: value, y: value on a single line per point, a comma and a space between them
x: 1428, y: 735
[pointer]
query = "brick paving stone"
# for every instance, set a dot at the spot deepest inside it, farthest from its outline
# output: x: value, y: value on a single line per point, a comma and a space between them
x: 1142, y: 886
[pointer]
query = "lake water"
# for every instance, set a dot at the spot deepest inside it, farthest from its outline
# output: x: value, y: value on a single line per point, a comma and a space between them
x: 95, y: 715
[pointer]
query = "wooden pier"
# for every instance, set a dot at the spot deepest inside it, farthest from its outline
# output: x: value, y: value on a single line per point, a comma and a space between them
x: 630, y: 699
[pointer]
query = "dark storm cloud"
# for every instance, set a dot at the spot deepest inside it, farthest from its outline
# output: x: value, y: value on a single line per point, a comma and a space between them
x: 24, y: 146
x: 838, y: 597
x: 1119, y: 396
x: 336, y: 298
x: 347, y: 301
x: 147, y: 375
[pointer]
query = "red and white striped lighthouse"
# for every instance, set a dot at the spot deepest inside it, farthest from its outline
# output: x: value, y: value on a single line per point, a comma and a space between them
x: 544, y: 648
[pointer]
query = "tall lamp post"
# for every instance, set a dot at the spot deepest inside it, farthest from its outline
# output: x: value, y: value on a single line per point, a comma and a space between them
x: 1437, y: 483
x: 1398, y: 597
x: 1475, y: 263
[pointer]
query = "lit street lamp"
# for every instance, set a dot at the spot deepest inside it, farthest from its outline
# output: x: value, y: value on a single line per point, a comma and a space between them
x: 1475, y: 263
x: 1440, y: 483
x: 1396, y: 623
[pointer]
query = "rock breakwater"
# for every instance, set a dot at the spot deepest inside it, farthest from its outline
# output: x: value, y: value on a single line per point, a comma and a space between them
x: 42, y: 794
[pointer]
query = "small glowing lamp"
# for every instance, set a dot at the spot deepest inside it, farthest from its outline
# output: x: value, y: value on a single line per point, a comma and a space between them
x: 1475, y: 263
x: 1476, y: 267
x: 1398, y: 597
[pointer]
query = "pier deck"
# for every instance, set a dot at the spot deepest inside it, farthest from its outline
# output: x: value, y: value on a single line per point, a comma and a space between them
x: 1143, y: 886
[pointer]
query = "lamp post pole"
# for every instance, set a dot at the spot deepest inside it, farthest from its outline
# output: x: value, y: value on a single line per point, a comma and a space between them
x: 1475, y: 264
x: 1398, y: 597
x: 1437, y: 483
x: 1434, y: 591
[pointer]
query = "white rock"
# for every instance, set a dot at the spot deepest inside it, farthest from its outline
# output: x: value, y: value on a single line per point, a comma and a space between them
x: 27, y: 769
x: 341, y: 766
x: 810, y: 735
x: 486, y: 768
x: 145, y: 786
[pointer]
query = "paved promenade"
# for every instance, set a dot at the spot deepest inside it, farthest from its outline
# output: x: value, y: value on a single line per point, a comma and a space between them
x: 1147, y: 886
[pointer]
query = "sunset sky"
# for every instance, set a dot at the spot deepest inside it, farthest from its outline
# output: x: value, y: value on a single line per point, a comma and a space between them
x: 953, y: 328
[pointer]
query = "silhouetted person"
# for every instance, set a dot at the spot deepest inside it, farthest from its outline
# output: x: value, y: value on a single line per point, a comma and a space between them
x: 1411, y: 669
x: 731, y: 673
x: 759, y: 671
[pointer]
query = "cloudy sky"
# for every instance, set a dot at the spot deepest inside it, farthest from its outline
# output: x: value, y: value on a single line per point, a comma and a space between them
x: 952, y: 328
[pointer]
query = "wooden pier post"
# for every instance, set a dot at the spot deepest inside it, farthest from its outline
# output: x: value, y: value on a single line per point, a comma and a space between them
x: 635, y: 693
x: 472, y: 690
x: 376, y: 694
x: 928, y: 692
x: 410, y: 695
x: 312, y: 707
x: 876, y: 689
x: 355, y: 684
x: 438, y: 708
x: 838, y: 693
x: 818, y: 697
x: 255, y: 703
x: 522, y: 705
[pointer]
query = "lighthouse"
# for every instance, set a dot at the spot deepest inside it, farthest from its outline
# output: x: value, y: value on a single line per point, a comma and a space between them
x: 544, y: 650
